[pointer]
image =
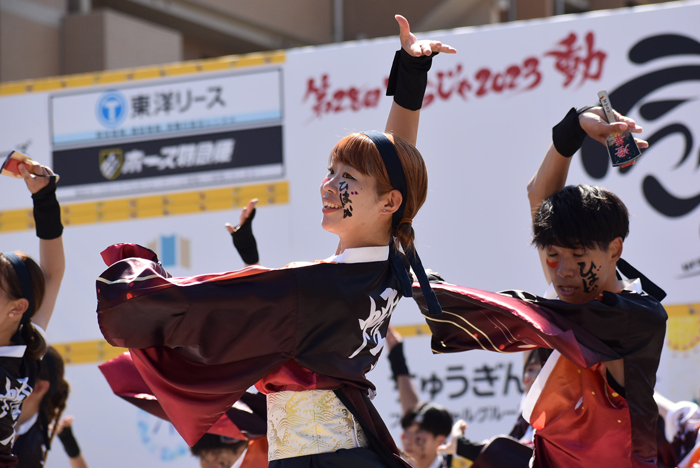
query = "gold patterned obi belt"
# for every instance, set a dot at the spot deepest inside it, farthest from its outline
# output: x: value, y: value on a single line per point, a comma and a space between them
x: 308, y: 423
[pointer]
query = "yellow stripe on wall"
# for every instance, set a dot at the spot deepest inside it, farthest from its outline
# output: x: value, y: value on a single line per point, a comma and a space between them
x: 409, y: 331
x: 683, y: 327
x: 154, y: 206
x: 87, y: 352
x: 229, y: 62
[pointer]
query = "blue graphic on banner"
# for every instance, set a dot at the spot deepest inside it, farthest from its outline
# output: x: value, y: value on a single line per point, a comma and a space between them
x: 111, y: 109
x: 160, y: 437
x: 168, y: 257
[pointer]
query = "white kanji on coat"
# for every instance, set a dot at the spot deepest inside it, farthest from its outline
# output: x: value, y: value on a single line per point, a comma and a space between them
x: 371, y: 327
x: 11, y: 402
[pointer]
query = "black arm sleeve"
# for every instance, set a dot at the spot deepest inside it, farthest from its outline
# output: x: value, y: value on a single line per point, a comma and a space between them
x: 468, y: 449
x: 47, y: 212
x: 244, y: 241
x: 398, y: 361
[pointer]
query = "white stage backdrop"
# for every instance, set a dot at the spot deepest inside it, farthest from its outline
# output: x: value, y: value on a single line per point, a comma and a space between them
x: 162, y: 162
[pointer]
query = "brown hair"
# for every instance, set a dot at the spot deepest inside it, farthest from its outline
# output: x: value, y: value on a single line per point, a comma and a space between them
x: 358, y: 150
x: 9, y: 281
x: 54, y: 401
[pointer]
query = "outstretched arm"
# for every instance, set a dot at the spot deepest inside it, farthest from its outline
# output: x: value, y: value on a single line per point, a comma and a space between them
x: 403, y: 122
x: 49, y: 231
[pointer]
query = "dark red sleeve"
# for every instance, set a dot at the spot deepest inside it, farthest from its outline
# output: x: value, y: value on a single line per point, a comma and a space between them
x: 198, y: 343
x: 505, y: 323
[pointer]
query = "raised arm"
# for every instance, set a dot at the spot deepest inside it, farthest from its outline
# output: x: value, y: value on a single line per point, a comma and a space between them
x: 47, y: 218
x: 410, y: 74
x: 567, y: 138
x: 408, y: 395
x: 242, y: 235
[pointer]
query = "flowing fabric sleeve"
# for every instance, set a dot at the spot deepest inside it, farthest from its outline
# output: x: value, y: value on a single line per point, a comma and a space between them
x: 198, y: 343
x: 504, y: 323
x: 246, y: 419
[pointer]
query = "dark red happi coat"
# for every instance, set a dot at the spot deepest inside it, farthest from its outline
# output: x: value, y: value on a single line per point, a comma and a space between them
x: 199, y: 343
x: 580, y: 420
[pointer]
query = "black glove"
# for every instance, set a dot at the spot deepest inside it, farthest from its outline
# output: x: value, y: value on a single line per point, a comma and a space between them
x: 398, y: 361
x: 568, y: 135
x: 69, y: 443
x: 47, y: 212
x: 408, y: 79
x: 244, y: 241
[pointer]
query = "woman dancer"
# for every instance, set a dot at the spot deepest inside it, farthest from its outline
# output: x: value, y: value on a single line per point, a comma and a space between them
x: 27, y: 297
x: 307, y: 333
x: 41, y: 414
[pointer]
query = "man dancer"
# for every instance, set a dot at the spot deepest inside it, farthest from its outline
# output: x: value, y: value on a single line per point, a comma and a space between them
x: 592, y: 404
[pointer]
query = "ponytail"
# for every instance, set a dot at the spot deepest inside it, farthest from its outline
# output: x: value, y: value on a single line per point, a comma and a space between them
x: 36, y: 344
x: 54, y: 401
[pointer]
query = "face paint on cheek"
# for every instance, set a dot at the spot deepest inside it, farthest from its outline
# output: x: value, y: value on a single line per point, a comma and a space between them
x: 420, y: 444
x: 345, y: 200
x: 590, y: 277
x: 551, y: 264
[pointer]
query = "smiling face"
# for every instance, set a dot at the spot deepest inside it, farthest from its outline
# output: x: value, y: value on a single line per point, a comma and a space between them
x: 352, y: 209
x: 580, y: 275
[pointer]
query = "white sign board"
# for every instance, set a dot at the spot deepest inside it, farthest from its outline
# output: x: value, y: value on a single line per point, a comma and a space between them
x: 484, y: 129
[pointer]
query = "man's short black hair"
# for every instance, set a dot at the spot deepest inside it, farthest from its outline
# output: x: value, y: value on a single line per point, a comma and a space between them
x: 580, y: 216
x: 429, y: 417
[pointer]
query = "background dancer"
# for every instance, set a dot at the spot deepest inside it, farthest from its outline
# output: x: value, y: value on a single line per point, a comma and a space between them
x: 41, y: 414
x: 293, y: 330
x: 28, y: 294
x: 593, y: 401
x: 425, y: 426
x: 242, y: 235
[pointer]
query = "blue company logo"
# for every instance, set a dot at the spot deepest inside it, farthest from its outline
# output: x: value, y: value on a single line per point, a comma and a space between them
x: 111, y: 109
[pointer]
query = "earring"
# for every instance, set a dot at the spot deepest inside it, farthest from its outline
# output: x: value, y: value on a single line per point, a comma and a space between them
x: 12, y: 314
x: 384, y: 211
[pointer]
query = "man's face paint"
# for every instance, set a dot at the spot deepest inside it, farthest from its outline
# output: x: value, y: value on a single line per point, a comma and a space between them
x: 420, y: 444
x: 578, y: 275
x: 590, y: 278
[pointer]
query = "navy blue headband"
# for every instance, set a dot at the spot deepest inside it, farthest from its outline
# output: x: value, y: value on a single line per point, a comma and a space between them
x: 398, y: 180
x: 25, y: 283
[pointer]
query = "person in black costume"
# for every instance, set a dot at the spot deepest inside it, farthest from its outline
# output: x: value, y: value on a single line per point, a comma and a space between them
x: 28, y: 294
x: 42, y: 417
x: 307, y: 333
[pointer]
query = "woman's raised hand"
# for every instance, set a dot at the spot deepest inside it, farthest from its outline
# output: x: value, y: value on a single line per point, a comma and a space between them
x: 35, y: 182
x: 415, y: 47
x: 245, y: 214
